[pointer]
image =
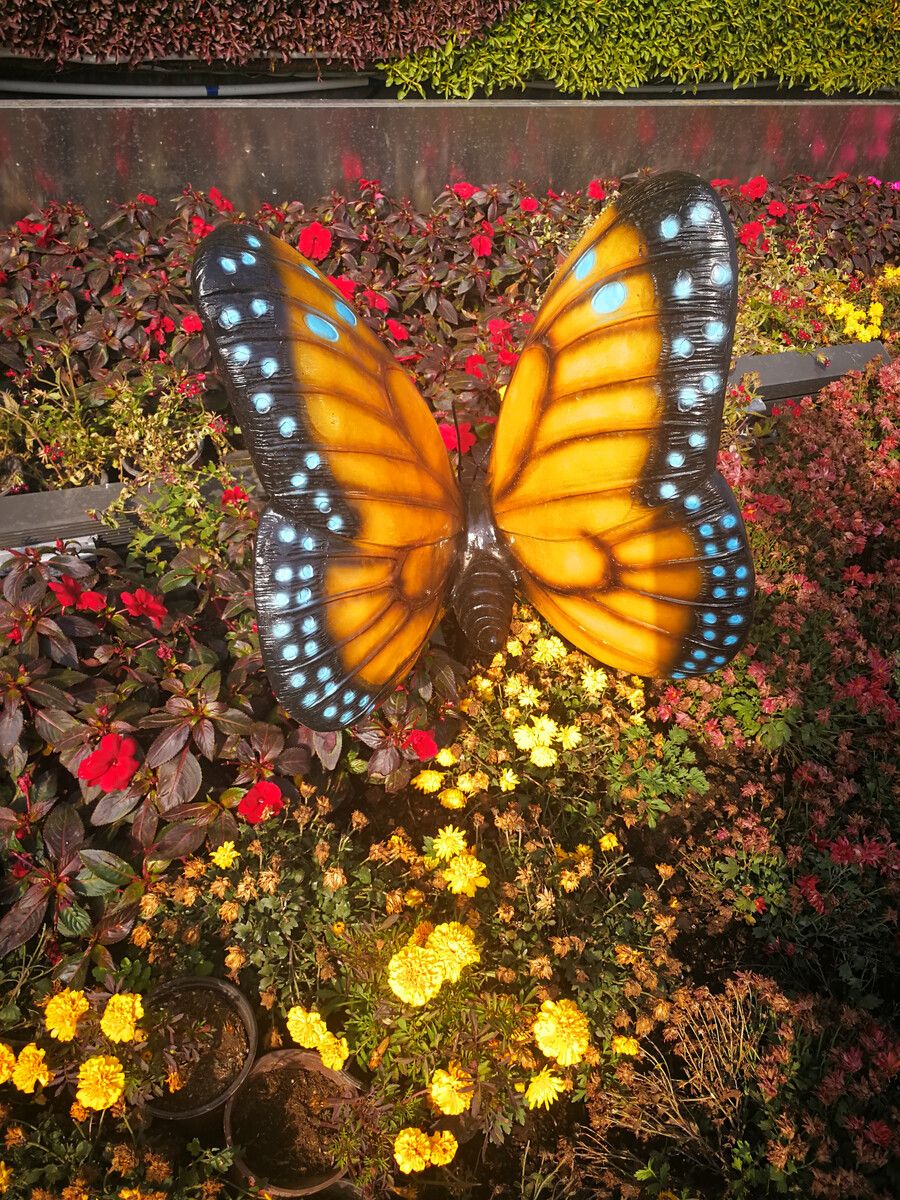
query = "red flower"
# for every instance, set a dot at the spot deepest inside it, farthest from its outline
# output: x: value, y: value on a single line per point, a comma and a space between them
x: 221, y: 203
x: 528, y: 204
x: 498, y: 328
x: 481, y: 245
x: 422, y: 744
x: 262, y: 800
x: 474, y: 363
x: 759, y: 904
x: 344, y: 285
x: 777, y: 209
x: 14, y: 635
x: 755, y: 188
x: 201, y: 227
x: 191, y: 323
x: 464, y: 190
x: 399, y: 332
x: 375, y: 301
x: 70, y: 594
x: 315, y: 241
x: 464, y: 442
x: 233, y: 495
x: 26, y: 226
x: 507, y: 357
x: 750, y: 233
x: 722, y: 182
x: 141, y: 603
x: 150, y: 201
x: 596, y: 190
x: 112, y: 766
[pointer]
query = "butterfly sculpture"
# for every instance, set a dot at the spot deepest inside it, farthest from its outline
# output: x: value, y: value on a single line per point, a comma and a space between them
x: 601, y: 501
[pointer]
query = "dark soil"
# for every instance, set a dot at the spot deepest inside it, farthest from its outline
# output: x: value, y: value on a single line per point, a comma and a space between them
x: 212, y: 1023
x: 283, y: 1120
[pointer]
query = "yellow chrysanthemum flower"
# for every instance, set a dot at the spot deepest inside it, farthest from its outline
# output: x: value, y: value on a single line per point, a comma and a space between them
x: 306, y: 1028
x: 412, y: 1150
x: 544, y: 756
x: 451, y: 1090
x: 415, y: 974
x: 513, y: 686
x: 625, y: 1045
x: 225, y: 856
x: 428, y: 781
x: 31, y: 1069
x: 544, y: 731
x: 569, y: 737
x: 333, y: 1051
x: 509, y: 780
x: 529, y: 696
x: 448, y: 842
x: 562, y: 1032
x: 121, y: 1015
x: 543, y: 1089
x: 593, y: 682
x: 454, y: 944
x: 609, y: 841
x: 101, y: 1081
x: 523, y: 736
x: 452, y: 798
x: 7, y: 1063
x: 514, y: 648
x: 445, y: 757
x: 62, y: 1013
x: 443, y: 1147
x: 548, y: 650
x: 465, y: 874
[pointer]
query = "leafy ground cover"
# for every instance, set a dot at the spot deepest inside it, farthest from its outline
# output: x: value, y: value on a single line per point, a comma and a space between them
x: 575, y: 933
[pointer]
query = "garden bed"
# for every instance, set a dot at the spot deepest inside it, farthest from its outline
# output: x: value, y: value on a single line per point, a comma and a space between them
x: 569, y: 929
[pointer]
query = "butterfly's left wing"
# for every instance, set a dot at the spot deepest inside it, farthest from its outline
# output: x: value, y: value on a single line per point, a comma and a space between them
x: 602, y: 476
x: 354, y: 555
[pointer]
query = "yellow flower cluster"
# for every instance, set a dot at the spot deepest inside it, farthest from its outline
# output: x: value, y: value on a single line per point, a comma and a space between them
x: 7, y: 1063
x: 29, y: 1070
x: 609, y: 841
x: 561, y: 1031
x: 547, y: 651
x: 544, y: 1089
x: 451, y: 1090
x: 62, y: 1013
x: 414, y: 1150
x: 417, y: 972
x: 465, y: 874
x: 120, y: 1017
x: 538, y: 738
x: 225, y: 856
x: 448, y: 842
x: 593, y: 682
x: 625, y: 1045
x: 6, y: 1177
x: 862, y: 324
x: 101, y: 1081
x: 307, y: 1029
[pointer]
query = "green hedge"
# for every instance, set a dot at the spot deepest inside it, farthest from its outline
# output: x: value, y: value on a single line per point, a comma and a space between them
x: 591, y: 46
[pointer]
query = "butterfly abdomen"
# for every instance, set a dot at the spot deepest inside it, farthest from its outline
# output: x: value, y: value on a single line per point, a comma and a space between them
x: 485, y: 584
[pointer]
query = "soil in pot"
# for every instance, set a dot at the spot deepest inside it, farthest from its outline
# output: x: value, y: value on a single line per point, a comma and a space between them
x: 222, y: 1044
x: 283, y: 1121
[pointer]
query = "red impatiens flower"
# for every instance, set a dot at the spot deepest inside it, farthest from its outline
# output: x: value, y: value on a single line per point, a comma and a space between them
x: 399, y: 332
x: 422, y: 744
x: 375, y: 301
x: 70, y: 594
x: 463, y: 442
x: 141, y: 603
x: 315, y: 241
x: 150, y: 201
x: 474, y: 363
x: 596, y: 190
x: 221, y: 203
x: 14, y: 635
x: 750, y: 233
x: 201, y: 227
x: 233, y: 495
x: 498, y: 328
x: 482, y: 245
x: 111, y: 766
x: 464, y: 191
x: 777, y: 208
x: 528, y: 204
x: 26, y: 226
x: 262, y: 800
x: 344, y: 285
x: 755, y: 188
x: 191, y: 323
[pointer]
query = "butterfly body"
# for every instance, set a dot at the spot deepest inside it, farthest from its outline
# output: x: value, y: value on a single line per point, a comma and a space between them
x: 601, y: 501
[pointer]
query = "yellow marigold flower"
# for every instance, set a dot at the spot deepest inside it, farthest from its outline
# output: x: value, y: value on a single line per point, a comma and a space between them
x: 561, y: 1031
x: 469, y: 782
x: 509, y: 780
x: 452, y: 797
x: 120, y: 1016
x: 593, y: 682
x: 514, y: 648
x: 101, y: 1081
x: 465, y: 874
x: 544, y: 756
x: 333, y: 1051
x: 443, y: 1147
x: 543, y: 1089
x: 625, y: 1045
x: 415, y: 974
x: 523, y: 736
x: 30, y: 1069
x: 448, y: 842
x: 6, y: 1177
x: 62, y: 1013
x: 609, y: 841
x: 513, y: 686
x: 529, y: 696
x: 412, y: 1150
x: 451, y: 1090
x: 445, y: 757
x: 544, y: 730
x: 454, y: 944
x: 307, y: 1029
x: 225, y: 856
x: 569, y: 737
x: 79, y: 1113
x: 7, y: 1063
x: 548, y: 650
x: 428, y: 781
